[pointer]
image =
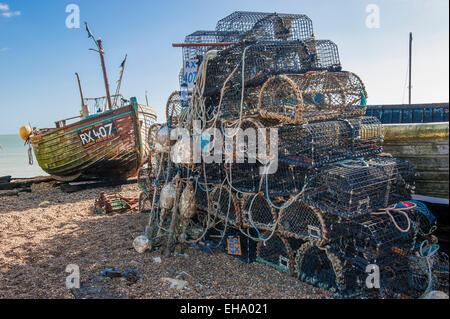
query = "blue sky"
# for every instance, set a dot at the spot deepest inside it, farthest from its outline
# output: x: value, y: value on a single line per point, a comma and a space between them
x: 39, y: 54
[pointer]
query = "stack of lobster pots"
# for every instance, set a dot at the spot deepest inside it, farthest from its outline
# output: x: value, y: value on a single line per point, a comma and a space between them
x: 305, y: 186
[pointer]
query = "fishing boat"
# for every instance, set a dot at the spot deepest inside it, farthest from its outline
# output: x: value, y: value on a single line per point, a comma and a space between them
x: 108, y: 140
x: 419, y: 133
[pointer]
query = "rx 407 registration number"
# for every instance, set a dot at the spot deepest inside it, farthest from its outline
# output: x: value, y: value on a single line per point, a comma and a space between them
x: 97, y: 133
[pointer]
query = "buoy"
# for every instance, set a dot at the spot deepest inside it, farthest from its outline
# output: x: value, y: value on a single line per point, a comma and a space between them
x: 25, y: 132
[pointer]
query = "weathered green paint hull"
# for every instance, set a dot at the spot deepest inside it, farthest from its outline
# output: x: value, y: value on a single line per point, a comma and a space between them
x: 60, y: 152
x: 426, y: 146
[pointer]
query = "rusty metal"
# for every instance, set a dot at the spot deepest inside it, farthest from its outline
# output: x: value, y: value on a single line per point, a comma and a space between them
x: 114, y: 203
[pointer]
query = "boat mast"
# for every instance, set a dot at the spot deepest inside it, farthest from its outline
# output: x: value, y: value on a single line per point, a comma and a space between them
x: 84, y: 108
x: 119, y: 82
x: 102, y: 60
x: 410, y: 60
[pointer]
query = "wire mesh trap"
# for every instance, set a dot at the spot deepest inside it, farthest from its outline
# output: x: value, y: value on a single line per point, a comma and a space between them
x: 251, y: 65
x: 256, y: 212
x: 176, y: 109
x: 354, y: 188
x: 314, y: 96
x: 275, y: 250
x: 208, y: 38
x: 224, y: 202
x: 319, y: 143
x: 263, y: 25
x: 318, y: 267
x: 302, y: 221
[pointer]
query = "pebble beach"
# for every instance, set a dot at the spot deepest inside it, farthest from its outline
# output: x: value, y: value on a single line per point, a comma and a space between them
x: 39, y: 242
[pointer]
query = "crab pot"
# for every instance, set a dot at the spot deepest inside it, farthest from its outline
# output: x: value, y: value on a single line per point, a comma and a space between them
x: 244, y: 177
x: 286, y: 180
x: 238, y: 245
x: 404, y: 184
x: 312, y: 97
x: 256, y: 212
x: 302, y: 221
x: 214, y: 173
x: 274, y: 26
x: 207, y: 37
x: 276, y: 252
x: 264, y: 59
x: 318, y: 267
x: 351, y: 190
x: 224, y: 203
x: 316, y: 144
x: 201, y: 196
x: 424, y: 220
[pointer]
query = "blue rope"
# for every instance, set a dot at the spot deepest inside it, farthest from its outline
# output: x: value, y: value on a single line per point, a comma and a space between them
x: 360, y: 160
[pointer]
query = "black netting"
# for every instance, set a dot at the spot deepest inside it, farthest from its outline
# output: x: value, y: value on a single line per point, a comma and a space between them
x: 272, y: 26
x: 256, y: 212
x: 276, y: 252
x: 224, y: 201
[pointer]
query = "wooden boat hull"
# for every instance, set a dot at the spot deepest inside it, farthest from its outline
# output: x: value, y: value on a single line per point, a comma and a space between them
x: 106, y: 145
x: 426, y: 146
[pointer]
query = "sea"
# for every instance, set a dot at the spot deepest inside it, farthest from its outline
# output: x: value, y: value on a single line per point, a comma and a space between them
x: 14, y: 158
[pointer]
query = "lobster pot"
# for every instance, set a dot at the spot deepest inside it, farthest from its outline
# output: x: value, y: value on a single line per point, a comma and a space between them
x: 249, y: 140
x: 312, y: 97
x: 316, y: 144
x: 225, y: 205
x: 404, y: 185
x: 176, y: 109
x: 381, y: 231
x: 424, y: 220
x: 274, y: 26
x: 276, y: 252
x: 201, y: 196
x: 318, y: 267
x: 244, y: 177
x: 355, y: 189
x: 207, y: 37
x: 406, y: 277
x: 285, y: 179
x: 214, y: 173
x: 256, y: 212
x: 229, y: 104
x: 302, y: 221
x: 257, y: 62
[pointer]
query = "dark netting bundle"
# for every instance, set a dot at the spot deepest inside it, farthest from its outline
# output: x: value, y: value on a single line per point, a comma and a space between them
x: 273, y: 26
x: 319, y: 143
x: 275, y: 250
x: 314, y: 96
